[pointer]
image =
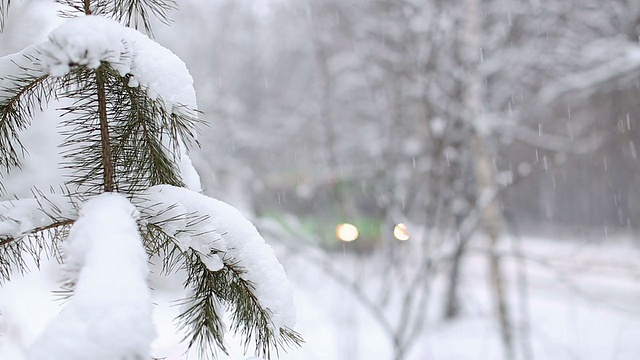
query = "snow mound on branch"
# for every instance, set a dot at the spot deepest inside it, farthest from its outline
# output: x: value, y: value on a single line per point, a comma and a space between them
x: 90, y: 40
x: 223, y: 234
x: 109, y: 316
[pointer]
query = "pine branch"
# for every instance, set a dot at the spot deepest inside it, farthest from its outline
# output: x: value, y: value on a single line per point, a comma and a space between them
x: 161, y: 246
x: 7, y: 240
x: 137, y: 13
x: 38, y: 244
x: 74, y: 8
x: 20, y: 98
x: 211, y: 292
x: 216, y: 273
x: 147, y: 139
x: 160, y: 227
x: 201, y: 318
x: 132, y: 13
x: 80, y: 125
x: 144, y: 138
x: 32, y: 227
x: 248, y: 318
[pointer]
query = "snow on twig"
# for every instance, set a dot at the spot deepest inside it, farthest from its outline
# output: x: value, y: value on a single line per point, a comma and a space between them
x: 21, y: 217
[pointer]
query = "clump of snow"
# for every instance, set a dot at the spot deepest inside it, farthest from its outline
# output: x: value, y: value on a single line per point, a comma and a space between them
x: 110, y: 315
x: 90, y: 40
x: 188, y: 172
x: 223, y: 234
x: 19, y: 217
x: 175, y: 218
x: 86, y: 41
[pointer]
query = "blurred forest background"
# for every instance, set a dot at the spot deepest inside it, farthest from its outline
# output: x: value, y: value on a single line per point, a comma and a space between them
x: 501, y: 133
x: 369, y: 102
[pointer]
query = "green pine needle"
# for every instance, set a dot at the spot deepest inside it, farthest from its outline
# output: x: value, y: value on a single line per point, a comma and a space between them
x: 145, y: 139
x: 248, y: 318
x: 138, y: 14
x: 25, y: 95
x: 201, y: 318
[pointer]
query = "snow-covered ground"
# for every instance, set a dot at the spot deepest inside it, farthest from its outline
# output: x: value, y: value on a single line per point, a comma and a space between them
x: 582, y: 299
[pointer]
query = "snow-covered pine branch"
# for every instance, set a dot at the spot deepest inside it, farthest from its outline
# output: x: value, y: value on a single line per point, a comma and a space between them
x: 152, y: 103
x: 228, y: 263
x: 110, y: 314
x: 32, y: 226
x: 24, y: 87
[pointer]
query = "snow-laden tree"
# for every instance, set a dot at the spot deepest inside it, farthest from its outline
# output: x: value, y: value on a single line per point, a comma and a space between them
x: 127, y: 116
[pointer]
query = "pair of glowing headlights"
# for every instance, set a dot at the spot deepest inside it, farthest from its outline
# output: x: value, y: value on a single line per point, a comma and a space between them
x: 349, y: 232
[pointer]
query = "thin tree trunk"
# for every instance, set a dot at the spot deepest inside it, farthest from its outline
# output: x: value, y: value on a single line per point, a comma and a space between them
x: 484, y: 170
x: 452, y: 309
x: 107, y: 165
x: 492, y: 218
x: 398, y: 349
x: 523, y: 291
